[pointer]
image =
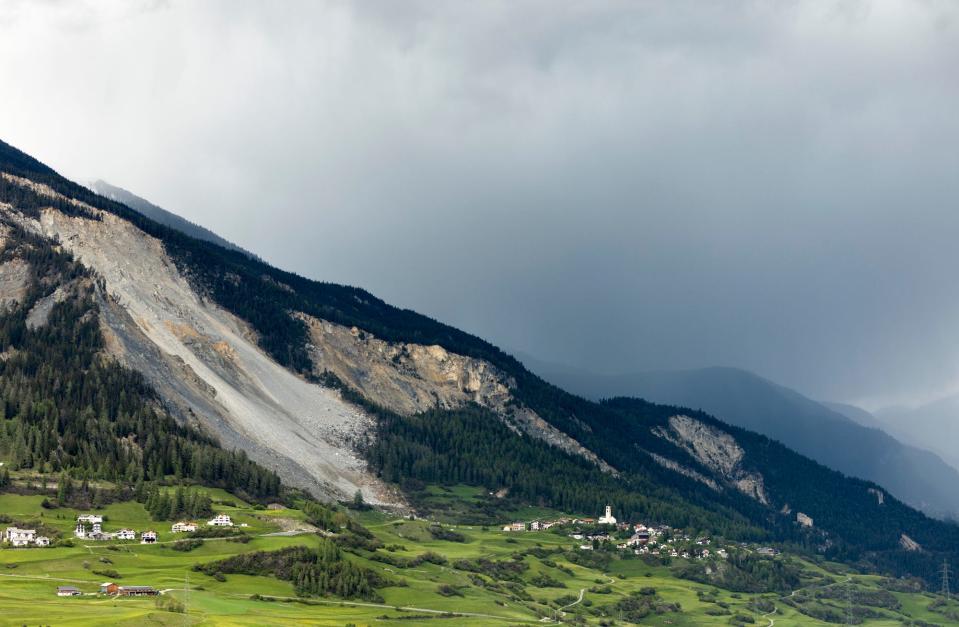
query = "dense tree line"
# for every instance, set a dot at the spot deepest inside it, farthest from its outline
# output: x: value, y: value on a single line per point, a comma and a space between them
x: 744, y: 572
x: 313, y: 572
x: 181, y: 503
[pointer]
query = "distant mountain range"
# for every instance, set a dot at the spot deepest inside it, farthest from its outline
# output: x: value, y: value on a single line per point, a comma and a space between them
x: 843, y: 437
x: 932, y: 425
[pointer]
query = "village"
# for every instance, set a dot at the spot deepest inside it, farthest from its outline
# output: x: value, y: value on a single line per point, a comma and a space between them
x: 608, y: 533
x: 90, y: 527
x: 26, y: 538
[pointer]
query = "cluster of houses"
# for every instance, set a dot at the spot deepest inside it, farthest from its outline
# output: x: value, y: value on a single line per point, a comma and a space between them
x: 18, y: 537
x: 147, y: 537
x: 542, y: 525
x: 111, y: 588
x: 90, y: 527
x: 658, y: 540
x: 97, y: 533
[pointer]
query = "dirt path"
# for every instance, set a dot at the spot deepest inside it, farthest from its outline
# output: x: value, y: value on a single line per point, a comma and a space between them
x: 582, y: 591
x: 772, y: 621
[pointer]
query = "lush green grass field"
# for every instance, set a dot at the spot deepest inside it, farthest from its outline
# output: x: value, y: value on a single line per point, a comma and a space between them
x: 28, y: 579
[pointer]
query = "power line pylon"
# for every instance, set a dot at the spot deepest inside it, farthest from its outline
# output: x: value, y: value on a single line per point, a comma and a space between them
x: 944, y: 591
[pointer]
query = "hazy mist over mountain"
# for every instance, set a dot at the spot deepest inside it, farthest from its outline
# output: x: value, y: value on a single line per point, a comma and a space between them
x: 616, y: 186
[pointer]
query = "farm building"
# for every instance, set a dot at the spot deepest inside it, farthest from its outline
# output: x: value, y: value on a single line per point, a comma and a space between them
x: 137, y: 591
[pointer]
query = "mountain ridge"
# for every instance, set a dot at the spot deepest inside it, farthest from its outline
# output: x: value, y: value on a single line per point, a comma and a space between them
x: 161, y: 215
x: 739, y: 397
x: 220, y: 320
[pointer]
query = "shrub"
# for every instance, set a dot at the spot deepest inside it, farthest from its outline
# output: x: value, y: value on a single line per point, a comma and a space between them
x: 109, y: 573
x: 448, y: 591
x: 170, y: 604
x: 187, y: 545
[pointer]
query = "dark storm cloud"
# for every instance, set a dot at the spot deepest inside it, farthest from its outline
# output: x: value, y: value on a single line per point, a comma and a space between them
x: 619, y: 186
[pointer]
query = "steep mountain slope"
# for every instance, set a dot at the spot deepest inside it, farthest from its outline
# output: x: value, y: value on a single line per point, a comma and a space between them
x: 161, y: 215
x: 917, y: 476
x: 307, y: 377
x: 204, y: 359
x: 67, y: 407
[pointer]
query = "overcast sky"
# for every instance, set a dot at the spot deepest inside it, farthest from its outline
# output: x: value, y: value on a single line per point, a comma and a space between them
x: 617, y: 186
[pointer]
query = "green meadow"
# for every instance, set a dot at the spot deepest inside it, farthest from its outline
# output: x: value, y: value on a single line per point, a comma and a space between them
x: 428, y: 593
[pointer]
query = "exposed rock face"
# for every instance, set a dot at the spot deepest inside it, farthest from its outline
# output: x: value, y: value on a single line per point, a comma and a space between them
x: 715, y: 450
x: 879, y: 494
x: 14, y: 281
x: 41, y: 311
x: 908, y: 543
x: 412, y: 378
x: 406, y: 378
x: 205, y: 362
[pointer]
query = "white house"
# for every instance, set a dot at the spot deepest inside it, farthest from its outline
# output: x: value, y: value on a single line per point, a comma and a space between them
x: 183, y: 527
x: 516, y: 526
x: 220, y: 520
x: 20, y: 537
x: 148, y: 537
x: 42, y: 541
x: 68, y: 591
x: 608, y: 518
x: 90, y: 519
x: 126, y: 534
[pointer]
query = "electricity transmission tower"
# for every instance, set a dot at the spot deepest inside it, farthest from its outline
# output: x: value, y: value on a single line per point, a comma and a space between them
x: 186, y: 601
x: 850, y: 619
x: 945, y: 579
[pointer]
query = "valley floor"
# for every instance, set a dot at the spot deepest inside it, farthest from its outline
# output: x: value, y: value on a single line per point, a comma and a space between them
x: 433, y: 594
